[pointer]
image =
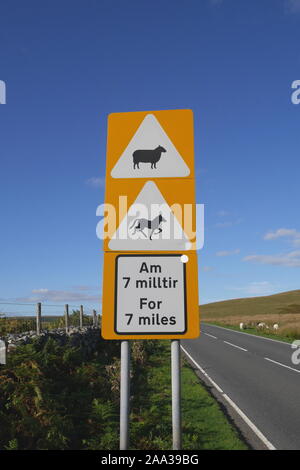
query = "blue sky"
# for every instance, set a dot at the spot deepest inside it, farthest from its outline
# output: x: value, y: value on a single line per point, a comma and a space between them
x: 67, y: 64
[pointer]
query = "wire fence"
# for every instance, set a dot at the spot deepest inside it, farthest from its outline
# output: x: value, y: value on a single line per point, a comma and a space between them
x: 38, y: 318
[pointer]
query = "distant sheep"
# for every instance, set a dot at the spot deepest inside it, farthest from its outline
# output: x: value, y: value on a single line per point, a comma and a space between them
x: 261, y: 325
x: 147, y: 156
x: 275, y: 326
x: 242, y: 326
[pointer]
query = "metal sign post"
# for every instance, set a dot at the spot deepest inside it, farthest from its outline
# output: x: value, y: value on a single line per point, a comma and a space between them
x: 125, y: 395
x: 176, y: 394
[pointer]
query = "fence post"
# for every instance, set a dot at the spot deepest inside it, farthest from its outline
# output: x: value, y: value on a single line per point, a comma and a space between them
x: 95, y: 318
x: 81, y: 317
x: 38, y: 318
x: 67, y: 317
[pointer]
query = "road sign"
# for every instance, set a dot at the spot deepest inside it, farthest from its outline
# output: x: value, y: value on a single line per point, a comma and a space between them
x: 141, y: 199
x: 150, y: 280
x: 150, y: 154
x: 150, y: 294
x: 155, y: 295
x: 150, y: 221
x: 150, y: 225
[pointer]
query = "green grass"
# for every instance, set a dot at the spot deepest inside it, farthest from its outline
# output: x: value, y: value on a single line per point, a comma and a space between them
x: 252, y: 331
x: 204, y: 425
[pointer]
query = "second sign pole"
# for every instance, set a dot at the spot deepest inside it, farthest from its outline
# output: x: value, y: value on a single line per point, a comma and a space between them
x: 125, y: 395
x: 176, y: 394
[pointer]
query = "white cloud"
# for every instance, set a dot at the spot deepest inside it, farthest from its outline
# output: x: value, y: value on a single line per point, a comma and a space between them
x: 46, y: 295
x: 291, y: 260
x: 282, y: 232
x: 95, y: 182
x: 83, y: 288
x: 292, y: 235
x: 293, y: 6
x: 257, y: 288
x: 228, y: 253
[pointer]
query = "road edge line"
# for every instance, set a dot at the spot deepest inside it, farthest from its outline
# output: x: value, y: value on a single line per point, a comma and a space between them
x: 248, y: 334
x: 245, y: 418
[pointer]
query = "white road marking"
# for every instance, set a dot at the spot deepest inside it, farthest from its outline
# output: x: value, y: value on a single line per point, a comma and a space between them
x: 203, y: 371
x: 212, y: 336
x: 282, y: 365
x: 235, y: 346
x: 252, y: 426
x: 248, y: 334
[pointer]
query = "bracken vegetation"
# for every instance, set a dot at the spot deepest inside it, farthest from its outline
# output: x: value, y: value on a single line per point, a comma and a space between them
x: 55, y: 396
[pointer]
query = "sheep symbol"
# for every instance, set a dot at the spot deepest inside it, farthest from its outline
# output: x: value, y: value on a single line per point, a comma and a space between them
x: 147, y: 156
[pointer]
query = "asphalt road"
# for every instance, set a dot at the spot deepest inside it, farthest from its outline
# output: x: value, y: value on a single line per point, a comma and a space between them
x: 258, y: 375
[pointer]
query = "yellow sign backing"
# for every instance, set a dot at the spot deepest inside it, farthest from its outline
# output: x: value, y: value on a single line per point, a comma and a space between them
x: 150, y: 278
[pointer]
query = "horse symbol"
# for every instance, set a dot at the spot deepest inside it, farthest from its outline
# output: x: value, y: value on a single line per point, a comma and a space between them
x: 152, y: 225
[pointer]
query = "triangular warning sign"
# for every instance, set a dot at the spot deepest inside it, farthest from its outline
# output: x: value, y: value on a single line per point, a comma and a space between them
x: 150, y: 154
x: 149, y: 225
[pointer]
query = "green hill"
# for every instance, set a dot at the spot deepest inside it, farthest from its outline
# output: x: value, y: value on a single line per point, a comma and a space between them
x: 278, y: 304
x: 283, y: 309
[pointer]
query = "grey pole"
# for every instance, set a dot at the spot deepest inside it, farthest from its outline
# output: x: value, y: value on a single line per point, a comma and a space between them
x: 176, y: 394
x: 124, y: 395
x: 94, y: 318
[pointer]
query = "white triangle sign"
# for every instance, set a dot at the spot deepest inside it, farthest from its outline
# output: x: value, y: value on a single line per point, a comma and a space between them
x: 150, y: 154
x: 149, y: 225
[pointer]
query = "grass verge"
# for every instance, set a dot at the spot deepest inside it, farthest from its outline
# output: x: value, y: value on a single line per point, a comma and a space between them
x: 203, y: 419
x: 253, y: 331
x: 204, y: 425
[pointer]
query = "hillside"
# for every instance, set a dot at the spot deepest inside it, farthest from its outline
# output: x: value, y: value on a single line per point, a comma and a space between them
x: 283, y: 303
x: 283, y: 308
